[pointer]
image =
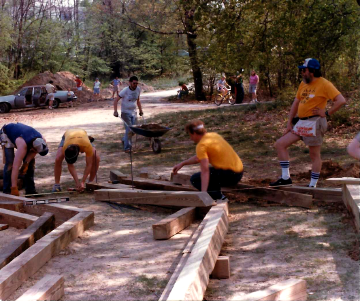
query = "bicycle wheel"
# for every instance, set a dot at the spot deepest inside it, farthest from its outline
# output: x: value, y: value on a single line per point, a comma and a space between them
x: 218, y: 99
x: 231, y: 100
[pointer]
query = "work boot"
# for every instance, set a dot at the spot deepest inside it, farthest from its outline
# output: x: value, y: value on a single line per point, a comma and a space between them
x: 281, y: 182
x: 56, y: 188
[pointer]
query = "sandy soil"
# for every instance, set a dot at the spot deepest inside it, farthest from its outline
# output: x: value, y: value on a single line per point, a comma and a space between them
x: 117, y: 259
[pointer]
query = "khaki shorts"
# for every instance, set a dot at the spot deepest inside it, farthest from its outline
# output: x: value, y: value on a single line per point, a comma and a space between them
x: 321, y: 128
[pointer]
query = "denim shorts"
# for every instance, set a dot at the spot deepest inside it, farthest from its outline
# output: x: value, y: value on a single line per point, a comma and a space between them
x: 252, y: 88
x: 96, y: 90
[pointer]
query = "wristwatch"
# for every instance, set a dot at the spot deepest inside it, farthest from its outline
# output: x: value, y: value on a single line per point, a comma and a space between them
x: 327, y: 114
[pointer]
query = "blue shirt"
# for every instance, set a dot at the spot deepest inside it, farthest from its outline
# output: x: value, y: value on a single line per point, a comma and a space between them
x: 116, y: 82
x: 16, y: 130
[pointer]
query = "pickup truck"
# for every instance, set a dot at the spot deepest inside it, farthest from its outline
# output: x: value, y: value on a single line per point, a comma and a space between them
x: 31, y: 96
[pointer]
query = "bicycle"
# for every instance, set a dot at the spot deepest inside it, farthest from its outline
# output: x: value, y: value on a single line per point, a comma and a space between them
x: 219, y: 98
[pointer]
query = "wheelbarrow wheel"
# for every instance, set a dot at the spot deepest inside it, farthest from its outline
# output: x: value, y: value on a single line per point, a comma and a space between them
x: 156, y: 145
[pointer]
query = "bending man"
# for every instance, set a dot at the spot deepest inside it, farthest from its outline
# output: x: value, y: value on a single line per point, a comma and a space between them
x: 211, y: 148
x: 28, y: 143
x: 310, y: 106
x: 73, y: 142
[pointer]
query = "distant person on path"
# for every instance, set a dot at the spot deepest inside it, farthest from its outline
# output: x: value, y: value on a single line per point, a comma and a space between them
x: 183, y: 90
x: 28, y: 142
x: 73, y: 142
x: 239, y: 89
x: 211, y: 148
x: 130, y: 98
x: 97, y: 85
x: 79, y: 83
x: 253, y: 83
x: 69, y: 100
x: 115, y: 84
x: 310, y: 106
x: 354, y: 147
x: 221, y: 86
x: 50, y: 89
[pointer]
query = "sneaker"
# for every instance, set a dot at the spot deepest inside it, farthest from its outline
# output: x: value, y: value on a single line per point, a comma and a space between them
x: 127, y: 151
x: 281, y: 182
x: 51, y: 108
x: 56, y: 188
x: 308, y: 185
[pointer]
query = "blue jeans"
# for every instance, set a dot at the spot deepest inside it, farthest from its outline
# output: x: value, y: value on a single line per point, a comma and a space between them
x: 29, y: 183
x: 130, y: 119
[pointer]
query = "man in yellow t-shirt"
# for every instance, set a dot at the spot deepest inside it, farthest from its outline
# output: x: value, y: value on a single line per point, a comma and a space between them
x: 73, y: 142
x: 211, y: 148
x: 310, y: 126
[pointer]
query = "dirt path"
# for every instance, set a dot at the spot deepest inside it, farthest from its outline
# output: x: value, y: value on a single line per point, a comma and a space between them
x: 117, y: 259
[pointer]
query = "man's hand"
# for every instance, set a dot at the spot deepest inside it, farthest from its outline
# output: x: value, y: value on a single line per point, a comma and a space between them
x: 176, y: 168
x: 318, y: 111
x: 289, y: 128
x: 116, y: 114
x: 15, y: 191
x: 141, y: 113
x: 24, y: 168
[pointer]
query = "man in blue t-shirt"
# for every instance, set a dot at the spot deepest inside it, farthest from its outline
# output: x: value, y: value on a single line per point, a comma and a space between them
x: 115, y: 84
x: 28, y: 143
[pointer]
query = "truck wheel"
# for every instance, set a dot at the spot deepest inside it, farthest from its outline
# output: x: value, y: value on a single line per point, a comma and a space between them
x: 56, y: 103
x: 4, y: 107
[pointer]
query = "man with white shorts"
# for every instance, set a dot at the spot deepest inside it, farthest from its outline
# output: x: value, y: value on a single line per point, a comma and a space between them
x: 50, y: 89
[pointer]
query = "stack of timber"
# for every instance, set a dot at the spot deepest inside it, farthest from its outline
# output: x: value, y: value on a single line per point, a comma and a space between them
x: 351, y: 197
x: 16, y: 219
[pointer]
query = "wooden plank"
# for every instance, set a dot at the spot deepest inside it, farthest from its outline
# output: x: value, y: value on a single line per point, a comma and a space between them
x: 95, y: 186
x: 16, y: 219
x: 222, y: 268
x: 351, y: 198
x: 180, y: 178
x: 9, y: 197
x: 193, y: 279
x: 50, y: 287
x: 30, y: 261
x: 3, y: 226
x: 289, y: 290
x: 155, y: 197
x: 329, y: 195
x: 174, y: 223
x: 279, y: 196
x: 27, y: 238
x: 115, y: 175
x: 12, y: 205
x: 345, y: 180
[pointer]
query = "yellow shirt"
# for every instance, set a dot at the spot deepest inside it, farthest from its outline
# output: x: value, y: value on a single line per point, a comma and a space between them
x: 315, y: 94
x: 80, y: 138
x: 219, y: 153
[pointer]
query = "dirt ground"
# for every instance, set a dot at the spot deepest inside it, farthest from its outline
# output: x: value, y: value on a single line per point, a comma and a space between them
x: 117, y: 259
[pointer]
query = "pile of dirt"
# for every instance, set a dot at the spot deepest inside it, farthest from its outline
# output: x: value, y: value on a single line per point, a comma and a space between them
x: 63, y: 80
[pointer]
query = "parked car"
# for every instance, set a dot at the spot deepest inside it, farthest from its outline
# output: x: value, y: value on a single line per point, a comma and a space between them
x: 31, y: 96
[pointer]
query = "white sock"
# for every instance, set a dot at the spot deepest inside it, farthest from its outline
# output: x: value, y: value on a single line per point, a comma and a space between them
x: 285, y: 169
x: 314, y: 179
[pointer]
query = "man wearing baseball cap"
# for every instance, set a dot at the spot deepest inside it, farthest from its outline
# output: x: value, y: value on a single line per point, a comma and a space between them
x: 28, y: 143
x: 310, y: 125
x: 74, y: 142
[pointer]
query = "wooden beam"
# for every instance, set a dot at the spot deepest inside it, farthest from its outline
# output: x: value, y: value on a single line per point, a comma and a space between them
x: 3, y: 226
x: 12, y: 205
x: 51, y: 287
x: 16, y: 219
x: 96, y: 186
x: 193, y: 279
x: 155, y: 197
x: 351, y: 198
x: 27, y: 238
x: 29, y: 262
x: 174, y: 223
x: 180, y: 178
x: 279, y: 196
x: 345, y: 180
x: 329, y: 195
x: 9, y: 197
x: 289, y: 290
x: 115, y: 175
x: 222, y: 268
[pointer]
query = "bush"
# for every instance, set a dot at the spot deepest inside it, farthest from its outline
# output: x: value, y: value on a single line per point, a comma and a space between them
x: 341, y: 117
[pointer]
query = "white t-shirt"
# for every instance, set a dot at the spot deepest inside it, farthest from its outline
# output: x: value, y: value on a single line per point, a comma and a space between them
x: 97, y: 85
x: 128, y: 99
x: 49, y: 88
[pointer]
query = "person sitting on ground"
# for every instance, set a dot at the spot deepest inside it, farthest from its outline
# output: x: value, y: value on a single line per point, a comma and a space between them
x: 70, y: 96
x: 222, y: 85
x: 97, y: 85
x: 28, y: 142
x: 50, y: 89
x: 354, y: 147
x: 183, y: 91
x: 73, y: 142
x: 211, y: 148
x: 115, y: 84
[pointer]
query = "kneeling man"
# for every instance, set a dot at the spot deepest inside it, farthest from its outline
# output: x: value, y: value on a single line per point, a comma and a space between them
x: 211, y: 148
x: 73, y: 142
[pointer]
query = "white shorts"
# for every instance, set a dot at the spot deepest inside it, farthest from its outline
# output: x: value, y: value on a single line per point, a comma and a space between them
x: 79, y: 88
x: 51, y: 96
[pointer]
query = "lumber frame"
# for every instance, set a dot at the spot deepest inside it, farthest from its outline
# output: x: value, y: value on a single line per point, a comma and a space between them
x: 155, y: 197
x: 174, y: 223
x: 12, y: 205
x: 29, y: 262
x: 289, y: 290
x: 192, y: 277
x: 3, y: 226
x: 16, y: 219
x: 27, y: 238
x: 351, y: 198
x: 329, y: 195
x: 50, y: 287
x: 222, y: 268
x: 345, y: 180
x: 96, y: 186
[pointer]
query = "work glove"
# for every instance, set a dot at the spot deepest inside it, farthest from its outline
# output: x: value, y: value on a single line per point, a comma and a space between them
x: 116, y: 114
x: 24, y: 168
x: 141, y: 113
x: 15, y: 191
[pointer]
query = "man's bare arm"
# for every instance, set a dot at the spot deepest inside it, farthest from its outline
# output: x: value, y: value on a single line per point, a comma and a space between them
x: 19, y: 157
x: 205, y: 174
